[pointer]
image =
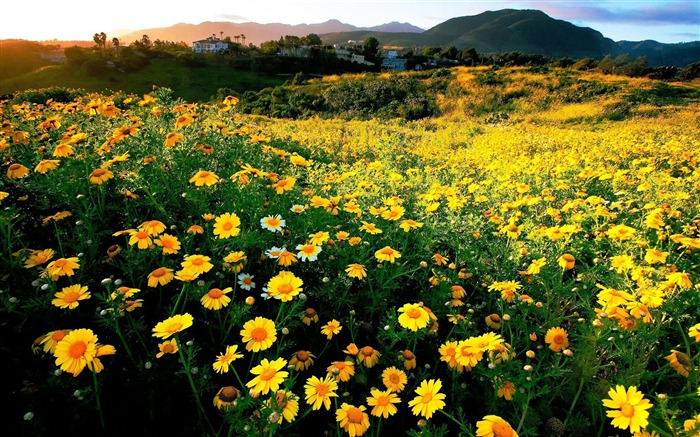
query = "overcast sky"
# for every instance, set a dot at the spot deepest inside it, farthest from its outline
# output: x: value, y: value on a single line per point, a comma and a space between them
x: 664, y: 21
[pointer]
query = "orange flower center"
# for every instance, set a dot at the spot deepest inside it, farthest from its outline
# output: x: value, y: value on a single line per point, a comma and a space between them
x: 204, y: 175
x: 367, y: 351
x: 427, y: 398
x: 308, y: 249
x: 383, y: 401
x: 387, y: 251
x: 495, y: 318
x: 394, y: 378
x: 228, y: 394
x: 175, y: 327
x: 142, y: 235
x: 302, y: 356
x: 58, y: 335
x: 71, y: 296
x: 77, y: 349
x: 99, y: 172
x: 408, y: 355
x: 259, y: 334
x: 215, y: 293
x: 227, y: 226
x: 60, y: 263
x: 14, y: 167
x: 413, y: 313
x: 355, y: 415
x: 157, y: 273
x: 627, y: 410
x: 197, y: 262
x: 559, y: 339
x: 169, y: 348
x: 322, y: 389
x: 285, y: 289
x: 502, y: 429
x: 267, y: 374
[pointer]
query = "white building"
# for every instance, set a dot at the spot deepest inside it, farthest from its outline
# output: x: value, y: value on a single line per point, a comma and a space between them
x: 209, y: 45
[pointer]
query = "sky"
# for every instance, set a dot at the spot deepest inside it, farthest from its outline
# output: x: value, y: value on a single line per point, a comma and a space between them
x: 663, y: 21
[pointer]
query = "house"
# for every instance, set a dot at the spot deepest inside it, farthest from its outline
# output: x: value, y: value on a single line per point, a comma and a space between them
x: 209, y: 45
x: 348, y: 53
x: 298, y: 52
x: 392, y: 62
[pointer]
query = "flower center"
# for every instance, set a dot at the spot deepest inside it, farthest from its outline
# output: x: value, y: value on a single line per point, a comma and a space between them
x: 227, y: 226
x: 77, y: 349
x: 394, y: 378
x: 302, y: 356
x: 14, y: 167
x: 387, y: 251
x: 273, y: 222
x: 197, y: 262
x: 427, y: 398
x: 267, y: 374
x: 559, y: 339
x: 627, y: 410
x: 383, y: 401
x: 413, y: 313
x: 285, y: 289
x: 99, y: 172
x: 355, y: 415
x: 367, y: 351
x: 60, y: 262
x: 71, y: 296
x: 169, y: 348
x: 215, y: 293
x: 175, y: 327
x: 58, y: 335
x: 259, y: 334
x: 157, y: 273
x: 321, y: 389
x: 502, y: 429
x: 228, y: 394
x: 204, y: 175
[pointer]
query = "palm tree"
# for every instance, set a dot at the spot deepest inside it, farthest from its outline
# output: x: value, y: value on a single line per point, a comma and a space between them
x: 222, y: 35
x: 243, y: 38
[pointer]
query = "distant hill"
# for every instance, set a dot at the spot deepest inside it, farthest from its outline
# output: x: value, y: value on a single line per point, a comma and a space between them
x: 527, y: 31
x: 255, y: 33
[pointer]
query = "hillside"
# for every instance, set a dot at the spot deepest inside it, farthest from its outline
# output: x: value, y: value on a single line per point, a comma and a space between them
x: 190, y: 83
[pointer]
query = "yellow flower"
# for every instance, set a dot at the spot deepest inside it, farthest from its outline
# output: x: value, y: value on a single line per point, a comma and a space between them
x: 284, y: 286
x: 368, y: 356
x: 223, y: 361
x: 197, y: 264
x: 302, y: 360
x: 76, y: 350
x: 227, y: 225
x: 407, y: 225
x: 413, y: 316
x: 284, y: 403
x: 225, y: 397
x: 342, y: 370
x: 356, y: 271
x: 387, y: 254
x: 557, y: 339
x: 628, y: 408
x: 17, y: 171
x: 394, y: 379
x: 269, y: 376
x: 621, y: 232
x: 429, y: 398
x: 46, y: 165
x: 694, y: 332
x: 141, y: 238
x: 172, y: 325
x: 320, y: 391
x: 167, y: 347
x: 370, y: 228
x: 494, y: 426
x: 331, y: 328
x: 160, y: 276
x: 169, y: 243
x: 38, y: 257
x: 383, y: 403
x: 352, y: 419
x: 215, y: 299
x: 100, y: 176
x: 283, y: 185
x: 62, y: 267
x: 172, y: 138
x: 202, y: 177
x: 680, y: 362
x: 258, y: 334
x: 69, y: 296
x: 566, y: 261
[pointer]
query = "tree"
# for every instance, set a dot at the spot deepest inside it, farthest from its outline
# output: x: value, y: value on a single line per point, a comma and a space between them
x: 450, y: 52
x: 311, y: 40
x: 100, y: 42
x: 370, y: 47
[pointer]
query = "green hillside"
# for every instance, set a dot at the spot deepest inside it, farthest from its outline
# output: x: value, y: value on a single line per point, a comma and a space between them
x: 188, y: 82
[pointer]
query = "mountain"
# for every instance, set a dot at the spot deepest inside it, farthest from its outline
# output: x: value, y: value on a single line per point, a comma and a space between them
x: 527, y: 31
x: 255, y: 33
x: 396, y: 27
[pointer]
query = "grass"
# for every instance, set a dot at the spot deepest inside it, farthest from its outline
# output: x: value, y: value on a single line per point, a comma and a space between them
x: 195, y: 84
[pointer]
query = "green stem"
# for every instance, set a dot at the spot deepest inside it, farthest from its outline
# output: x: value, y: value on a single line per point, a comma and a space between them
x: 97, y: 395
x: 460, y: 424
x: 188, y: 371
x: 573, y: 404
x: 522, y: 417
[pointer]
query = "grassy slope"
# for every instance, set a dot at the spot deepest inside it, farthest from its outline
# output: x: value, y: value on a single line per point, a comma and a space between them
x: 190, y: 83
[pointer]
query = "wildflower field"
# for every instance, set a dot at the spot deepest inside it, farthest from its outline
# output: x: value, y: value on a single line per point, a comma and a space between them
x: 172, y: 268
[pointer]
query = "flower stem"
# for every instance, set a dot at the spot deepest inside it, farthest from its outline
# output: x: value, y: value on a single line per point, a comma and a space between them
x: 188, y: 371
x: 97, y: 395
x: 460, y: 424
x: 573, y: 404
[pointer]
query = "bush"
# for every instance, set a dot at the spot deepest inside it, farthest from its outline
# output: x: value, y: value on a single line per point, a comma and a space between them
x: 40, y: 96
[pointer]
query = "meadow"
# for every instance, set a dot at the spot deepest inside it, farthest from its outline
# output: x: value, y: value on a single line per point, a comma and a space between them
x: 524, y: 262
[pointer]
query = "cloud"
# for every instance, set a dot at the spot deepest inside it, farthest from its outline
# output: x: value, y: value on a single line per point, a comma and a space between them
x: 233, y: 17
x: 674, y: 13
